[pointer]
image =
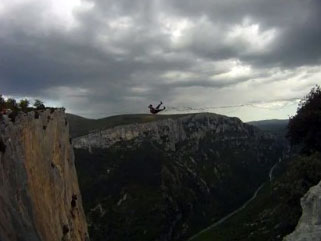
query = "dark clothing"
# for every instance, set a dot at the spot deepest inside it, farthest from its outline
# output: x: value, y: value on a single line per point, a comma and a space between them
x: 155, y: 110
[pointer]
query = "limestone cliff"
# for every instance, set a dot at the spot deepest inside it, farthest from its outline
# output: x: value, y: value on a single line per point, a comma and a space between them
x: 309, y: 226
x: 39, y: 194
x: 170, y: 132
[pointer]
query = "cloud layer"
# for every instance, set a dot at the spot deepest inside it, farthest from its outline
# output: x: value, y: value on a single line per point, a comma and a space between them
x: 99, y: 58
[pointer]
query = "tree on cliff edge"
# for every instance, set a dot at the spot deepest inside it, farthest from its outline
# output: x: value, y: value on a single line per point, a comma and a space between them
x: 2, y: 102
x: 39, y: 105
x: 305, y: 127
x: 12, y: 104
x: 24, y: 104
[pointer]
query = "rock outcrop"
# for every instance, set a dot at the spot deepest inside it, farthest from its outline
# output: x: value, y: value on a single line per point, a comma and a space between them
x: 309, y: 226
x: 39, y: 194
x: 170, y: 132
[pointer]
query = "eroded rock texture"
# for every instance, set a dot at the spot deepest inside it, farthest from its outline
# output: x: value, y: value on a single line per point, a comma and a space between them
x: 309, y: 226
x: 170, y: 132
x: 39, y: 193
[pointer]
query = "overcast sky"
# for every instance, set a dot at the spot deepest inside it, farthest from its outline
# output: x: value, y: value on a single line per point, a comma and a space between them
x: 99, y: 58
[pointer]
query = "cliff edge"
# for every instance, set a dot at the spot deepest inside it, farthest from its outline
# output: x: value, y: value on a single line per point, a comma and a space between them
x: 309, y: 226
x: 39, y: 193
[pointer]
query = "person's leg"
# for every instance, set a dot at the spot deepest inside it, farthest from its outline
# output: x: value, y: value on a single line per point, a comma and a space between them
x: 157, y: 107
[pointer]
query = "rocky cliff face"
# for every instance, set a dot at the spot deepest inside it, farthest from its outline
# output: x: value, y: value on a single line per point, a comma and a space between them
x: 309, y: 226
x: 39, y: 194
x: 170, y: 132
x: 167, y: 179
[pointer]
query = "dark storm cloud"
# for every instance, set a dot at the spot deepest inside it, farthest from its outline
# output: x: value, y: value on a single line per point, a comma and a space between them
x: 139, y: 51
x: 298, y: 23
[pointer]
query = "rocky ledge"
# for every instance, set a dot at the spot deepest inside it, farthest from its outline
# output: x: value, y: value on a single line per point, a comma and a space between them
x: 309, y: 225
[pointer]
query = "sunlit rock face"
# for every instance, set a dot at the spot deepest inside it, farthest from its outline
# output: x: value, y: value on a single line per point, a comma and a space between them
x: 39, y: 194
x: 309, y: 226
x: 180, y: 173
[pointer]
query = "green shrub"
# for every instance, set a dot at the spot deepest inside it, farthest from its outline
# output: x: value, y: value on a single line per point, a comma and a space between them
x: 24, y: 104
